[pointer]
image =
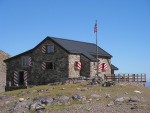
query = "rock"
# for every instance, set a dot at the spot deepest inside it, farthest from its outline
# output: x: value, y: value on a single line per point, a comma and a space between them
x: 7, y: 102
x: 33, y: 105
x: 134, y: 107
x: 1, y: 104
x: 33, y: 91
x: 84, y: 89
x: 95, y: 96
x: 136, y: 91
x: 83, y: 98
x: 47, y: 101
x: 110, y: 104
x: 3, y: 97
x: 22, y: 93
x: 121, y: 100
x: 20, y: 107
x: 126, y: 93
x: 107, y: 96
x: 77, y: 97
x: 79, y: 89
x: 39, y: 107
x: 21, y: 99
x: 64, y: 99
x: 90, y: 99
x: 63, y: 89
x: 39, y: 111
x: 134, y: 99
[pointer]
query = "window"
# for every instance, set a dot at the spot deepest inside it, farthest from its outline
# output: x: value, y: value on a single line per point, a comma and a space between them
x: 50, y: 48
x: 49, y: 65
x: 25, y: 61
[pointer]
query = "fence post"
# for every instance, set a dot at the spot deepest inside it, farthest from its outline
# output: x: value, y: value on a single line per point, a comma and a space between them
x: 128, y: 78
x: 118, y: 77
x: 124, y: 78
x: 133, y: 77
x: 141, y: 78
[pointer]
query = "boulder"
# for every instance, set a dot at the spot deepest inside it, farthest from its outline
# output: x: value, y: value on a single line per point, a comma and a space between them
x: 21, y: 99
x: 79, y: 89
x: 110, y: 104
x: 136, y: 91
x: 64, y: 99
x: 134, y: 99
x: 47, y: 101
x: 84, y: 89
x: 77, y: 97
x: 107, y: 96
x: 95, y: 96
x: 121, y: 100
x: 34, y: 105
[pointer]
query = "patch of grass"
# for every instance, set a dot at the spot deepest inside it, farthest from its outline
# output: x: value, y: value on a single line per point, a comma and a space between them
x: 55, y: 107
x: 75, y: 102
x: 31, y: 111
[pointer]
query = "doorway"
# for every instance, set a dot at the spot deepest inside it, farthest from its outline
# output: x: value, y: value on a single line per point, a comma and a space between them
x: 21, y: 78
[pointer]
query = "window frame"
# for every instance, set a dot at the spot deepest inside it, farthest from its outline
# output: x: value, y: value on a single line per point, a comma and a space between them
x: 25, y: 61
x: 52, y: 65
x: 47, y: 50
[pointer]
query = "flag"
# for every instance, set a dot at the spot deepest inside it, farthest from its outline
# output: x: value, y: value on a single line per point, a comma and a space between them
x: 95, y: 27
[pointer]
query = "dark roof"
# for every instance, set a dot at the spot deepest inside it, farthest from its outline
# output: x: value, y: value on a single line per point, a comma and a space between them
x: 87, y: 49
x: 114, y: 67
x: 73, y: 47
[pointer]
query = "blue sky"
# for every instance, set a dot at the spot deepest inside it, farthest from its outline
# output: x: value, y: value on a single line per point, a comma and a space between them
x: 123, y: 27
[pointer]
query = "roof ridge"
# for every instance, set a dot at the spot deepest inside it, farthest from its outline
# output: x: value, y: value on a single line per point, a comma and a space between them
x: 70, y: 40
x: 4, y: 52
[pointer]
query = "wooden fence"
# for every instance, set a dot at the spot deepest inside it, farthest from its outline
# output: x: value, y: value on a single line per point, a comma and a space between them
x: 125, y: 77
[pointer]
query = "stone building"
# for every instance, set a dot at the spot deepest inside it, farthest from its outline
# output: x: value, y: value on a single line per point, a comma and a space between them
x: 3, y: 56
x: 56, y: 59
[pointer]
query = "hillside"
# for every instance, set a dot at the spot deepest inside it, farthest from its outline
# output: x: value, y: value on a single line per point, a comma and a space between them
x: 77, y: 98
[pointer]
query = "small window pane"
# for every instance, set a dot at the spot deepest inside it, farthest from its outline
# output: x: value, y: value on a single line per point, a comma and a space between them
x: 25, y: 61
x: 49, y: 65
x: 50, y: 49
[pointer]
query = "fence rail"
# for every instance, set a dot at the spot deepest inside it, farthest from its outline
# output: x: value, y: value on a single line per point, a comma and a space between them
x: 126, y: 77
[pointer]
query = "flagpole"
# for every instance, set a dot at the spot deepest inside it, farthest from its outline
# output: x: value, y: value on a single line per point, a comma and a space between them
x: 96, y: 48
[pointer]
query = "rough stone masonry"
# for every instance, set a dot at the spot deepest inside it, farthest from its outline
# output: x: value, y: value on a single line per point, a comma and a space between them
x: 3, y: 56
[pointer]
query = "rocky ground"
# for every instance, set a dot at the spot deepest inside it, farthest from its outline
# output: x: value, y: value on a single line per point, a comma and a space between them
x: 77, y: 98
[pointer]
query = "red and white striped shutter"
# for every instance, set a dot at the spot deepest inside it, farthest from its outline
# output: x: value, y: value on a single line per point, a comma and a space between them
x: 79, y: 65
x: 43, y: 49
x: 100, y: 66
x: 25, y: 76
x: 16, y: 78
x: 30, y: 61
x: 43, y: 65
x: 105, y: 66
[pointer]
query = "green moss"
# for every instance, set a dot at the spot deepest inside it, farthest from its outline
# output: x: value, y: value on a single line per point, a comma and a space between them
x: 55, y: 107
x: 31, y: 111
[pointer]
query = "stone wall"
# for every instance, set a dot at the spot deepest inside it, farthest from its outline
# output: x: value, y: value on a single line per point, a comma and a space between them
x: 104, y: 60
x: 60, y: 60
x: 35, y: 73
x: 73, y: 72
x: 93, y: 67
x: 3, y: 56
x: 85, y: 70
